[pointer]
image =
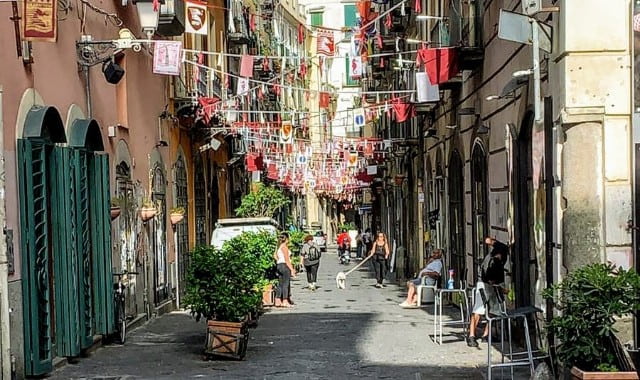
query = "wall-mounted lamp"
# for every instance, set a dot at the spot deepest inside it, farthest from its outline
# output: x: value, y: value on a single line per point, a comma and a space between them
x: 522, y: 73
x: 112, y: 71
x: 427, y: 17
x: 148, y: 16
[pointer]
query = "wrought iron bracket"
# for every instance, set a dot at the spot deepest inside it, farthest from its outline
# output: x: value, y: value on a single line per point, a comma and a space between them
x: 91, y: 53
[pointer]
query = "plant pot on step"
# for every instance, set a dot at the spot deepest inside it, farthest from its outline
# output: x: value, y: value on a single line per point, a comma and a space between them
x: 147, y: 213
x: 115, y: 212
x: 578, y: 374
x: 176, y: 218
x: 268, y: 296
x: 227, y: 339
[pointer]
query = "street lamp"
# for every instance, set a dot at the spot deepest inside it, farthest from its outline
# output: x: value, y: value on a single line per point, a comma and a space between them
x: 149, y: 15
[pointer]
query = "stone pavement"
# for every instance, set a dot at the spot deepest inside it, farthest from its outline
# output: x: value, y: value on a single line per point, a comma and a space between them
x: 359, y: 332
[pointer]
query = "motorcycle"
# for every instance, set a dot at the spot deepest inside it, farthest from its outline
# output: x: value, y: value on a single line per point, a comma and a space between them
x: 344, y: 253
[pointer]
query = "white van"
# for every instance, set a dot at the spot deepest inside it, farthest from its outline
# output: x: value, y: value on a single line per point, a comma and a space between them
x: 227, y: 229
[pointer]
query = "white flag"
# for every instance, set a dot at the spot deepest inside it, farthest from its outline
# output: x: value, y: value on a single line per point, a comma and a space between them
x: 427, y: 92
x: 167, y: 57
x: 197, y: 21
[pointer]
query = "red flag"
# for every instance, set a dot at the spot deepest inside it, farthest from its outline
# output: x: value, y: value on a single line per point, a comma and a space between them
x: 324, y: 100
x: 403, y: 110
x: 265, y: 64
x: 440, y: 64
x: 418, y: 6
x: 300, y: 34
x: 379, y: 40
x: 303, y: 68
x: 246, y: 66
x: 252, y: 22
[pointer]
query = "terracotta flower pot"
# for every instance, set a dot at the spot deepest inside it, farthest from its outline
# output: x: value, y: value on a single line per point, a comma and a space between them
x: 176, y: 218
x: 268, y: 296
x: 228, y: 339
x: 578, y: 374
x: 115, y: 212
x: 147, y: 213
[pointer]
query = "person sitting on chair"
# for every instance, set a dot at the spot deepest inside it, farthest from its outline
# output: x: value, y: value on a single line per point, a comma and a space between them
x: 431, y: 272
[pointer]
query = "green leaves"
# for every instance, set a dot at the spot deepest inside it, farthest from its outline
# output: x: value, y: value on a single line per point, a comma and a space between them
x: 227, y: 284
x: 264, y: 202
x: 590, y: 299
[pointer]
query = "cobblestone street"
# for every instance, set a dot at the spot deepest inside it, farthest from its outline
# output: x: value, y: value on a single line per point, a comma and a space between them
x: 360, y: 332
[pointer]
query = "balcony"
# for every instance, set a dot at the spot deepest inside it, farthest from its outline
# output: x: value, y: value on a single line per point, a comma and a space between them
x: 464, y: 30
x: 171, y: 21
x: 192, y: 83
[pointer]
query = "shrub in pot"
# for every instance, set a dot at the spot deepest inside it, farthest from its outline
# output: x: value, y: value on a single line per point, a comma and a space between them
x: 590, y: 299
x: 261, y: 246
x: 222, y: 286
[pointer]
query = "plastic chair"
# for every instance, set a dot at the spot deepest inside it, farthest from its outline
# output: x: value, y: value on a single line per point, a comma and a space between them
x: 438, y: 321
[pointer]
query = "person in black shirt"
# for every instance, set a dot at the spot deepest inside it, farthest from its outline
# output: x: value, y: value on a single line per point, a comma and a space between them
x: 491, y: 275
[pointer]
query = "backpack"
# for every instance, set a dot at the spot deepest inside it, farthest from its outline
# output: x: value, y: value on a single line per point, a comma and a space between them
x: 313, y: 253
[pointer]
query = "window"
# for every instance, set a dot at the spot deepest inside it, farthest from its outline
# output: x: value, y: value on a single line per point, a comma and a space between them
x: 316, y: 19
x: 350, y: 15
x: 349, y: 81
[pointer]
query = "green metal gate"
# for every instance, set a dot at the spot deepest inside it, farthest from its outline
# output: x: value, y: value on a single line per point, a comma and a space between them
x: 66, y: 251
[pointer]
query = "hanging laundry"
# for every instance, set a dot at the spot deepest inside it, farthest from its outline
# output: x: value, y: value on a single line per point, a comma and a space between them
x: 403, y: 111
x: 441, y: 64
x: 303, y: 69
x: 231, y: 21
x: 246, y: 66
x: 387, y: 21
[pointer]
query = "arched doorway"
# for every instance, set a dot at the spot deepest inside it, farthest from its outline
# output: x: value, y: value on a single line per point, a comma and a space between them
x: 65, y: 237
x: 159, y: 233
x: 523, y: 195
x: 456, y: 214
x: 182, y: 229
x: 479, y: 205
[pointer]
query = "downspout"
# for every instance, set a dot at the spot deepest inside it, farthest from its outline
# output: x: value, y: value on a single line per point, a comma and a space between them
x: 5, y: 345
x: 550, y: 220
x: 87, y: 88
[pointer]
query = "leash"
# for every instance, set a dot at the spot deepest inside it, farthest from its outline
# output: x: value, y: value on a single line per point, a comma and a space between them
x: 357, y: 266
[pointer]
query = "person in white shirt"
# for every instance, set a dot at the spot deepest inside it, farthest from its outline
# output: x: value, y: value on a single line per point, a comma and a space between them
x: 432, y: 272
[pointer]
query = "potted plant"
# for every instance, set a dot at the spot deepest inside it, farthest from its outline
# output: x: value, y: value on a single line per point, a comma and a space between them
x: 148, y: 210
x: 261, y: 246
x: 176, y: 215
x: 590, y: 299
x: 116, y: 207
x: 223, y: 287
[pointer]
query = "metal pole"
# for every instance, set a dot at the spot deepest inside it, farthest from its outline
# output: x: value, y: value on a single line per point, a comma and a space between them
x: 87, y: 86
x: 5, y: 345
x: 536, y: 70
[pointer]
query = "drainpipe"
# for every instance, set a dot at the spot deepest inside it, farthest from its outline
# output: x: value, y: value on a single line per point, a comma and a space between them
x: 87, y: 88
x: 5, y: 347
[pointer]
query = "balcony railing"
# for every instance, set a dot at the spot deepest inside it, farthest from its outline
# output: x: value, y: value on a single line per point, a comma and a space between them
x: 194, y: 82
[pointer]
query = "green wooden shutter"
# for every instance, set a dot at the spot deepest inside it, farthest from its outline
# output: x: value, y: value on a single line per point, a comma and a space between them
x: 65, y: 250
x: 101, y: 237
x: 34, y: 225
x: 316, y: 19
x: 83, y: 240
x: 350, y: 15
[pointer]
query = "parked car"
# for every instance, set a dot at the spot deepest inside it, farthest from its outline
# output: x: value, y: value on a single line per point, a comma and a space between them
x: 320, y: 238
x: 227, y: 229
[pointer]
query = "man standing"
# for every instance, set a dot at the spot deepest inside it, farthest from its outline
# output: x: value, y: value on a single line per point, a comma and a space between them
x: 491, y: 275
x: 432, y: 272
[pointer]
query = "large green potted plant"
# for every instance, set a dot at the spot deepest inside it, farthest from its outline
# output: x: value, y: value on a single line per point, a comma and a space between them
x: 261, y: 246
x: 222, y: 286
x: 590, y: 299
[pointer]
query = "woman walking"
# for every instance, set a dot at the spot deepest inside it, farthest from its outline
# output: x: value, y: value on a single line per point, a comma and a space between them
x: 380, y: 253
x: 311, y: 260
x: 285, y: 271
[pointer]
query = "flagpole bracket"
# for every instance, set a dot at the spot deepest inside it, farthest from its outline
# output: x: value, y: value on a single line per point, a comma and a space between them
x: 91, y: 53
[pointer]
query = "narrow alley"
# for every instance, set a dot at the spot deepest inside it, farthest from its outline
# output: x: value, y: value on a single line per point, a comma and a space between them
x: 356, y: 333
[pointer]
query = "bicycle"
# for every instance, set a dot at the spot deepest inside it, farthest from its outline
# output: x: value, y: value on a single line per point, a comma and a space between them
x: 119, y: 305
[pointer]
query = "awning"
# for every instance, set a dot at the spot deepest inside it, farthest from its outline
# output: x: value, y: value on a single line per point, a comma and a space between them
x: 85, y: 133
x: 44, y: 122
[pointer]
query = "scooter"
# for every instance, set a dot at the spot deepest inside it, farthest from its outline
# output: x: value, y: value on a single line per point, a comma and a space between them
x: 344, y: 253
